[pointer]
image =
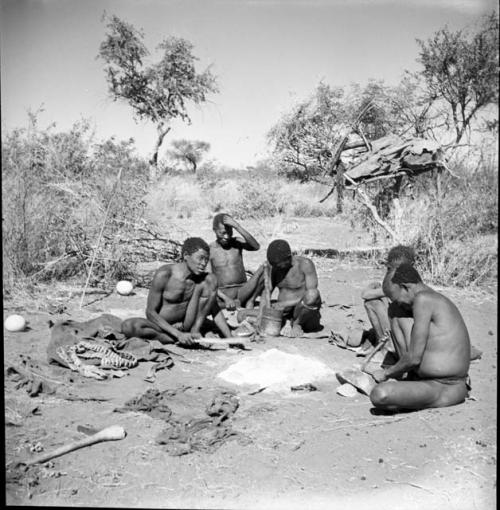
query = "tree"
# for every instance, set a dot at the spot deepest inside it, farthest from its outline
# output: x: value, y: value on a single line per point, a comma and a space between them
x: 305, y: 139
x: 190, y: 151
x: 156, y: 92
x: 462, y: 70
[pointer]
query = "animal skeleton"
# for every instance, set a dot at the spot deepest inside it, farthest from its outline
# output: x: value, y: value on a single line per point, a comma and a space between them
x: 88, y: 350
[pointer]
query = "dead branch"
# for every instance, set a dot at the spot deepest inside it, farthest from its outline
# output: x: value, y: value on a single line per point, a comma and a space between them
x: 329, y: 193
x: 374, y: 423
x: 100, y: 236
x: 373, y: 209
x: 381, y: 177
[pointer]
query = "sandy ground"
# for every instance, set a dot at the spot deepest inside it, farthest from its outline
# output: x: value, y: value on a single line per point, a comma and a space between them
x: 308, y: 450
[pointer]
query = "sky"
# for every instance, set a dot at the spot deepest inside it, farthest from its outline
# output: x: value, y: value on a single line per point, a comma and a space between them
x: 267, y: 55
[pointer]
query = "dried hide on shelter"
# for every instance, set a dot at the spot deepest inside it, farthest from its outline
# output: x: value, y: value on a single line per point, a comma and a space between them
x: 392, y: 154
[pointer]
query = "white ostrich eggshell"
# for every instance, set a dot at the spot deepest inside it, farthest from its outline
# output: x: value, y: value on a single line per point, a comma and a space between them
x: 124, y: 287
x: 15, y: 323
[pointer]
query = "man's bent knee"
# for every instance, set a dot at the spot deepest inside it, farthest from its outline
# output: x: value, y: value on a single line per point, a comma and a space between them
x: 128, y: 327
x: 312, y: 298
x: 374, y: 304
x: 380, y: 396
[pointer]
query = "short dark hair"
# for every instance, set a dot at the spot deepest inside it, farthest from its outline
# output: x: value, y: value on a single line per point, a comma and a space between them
x: 218, y: 220
x: 193, y: 244
x: 401, y: 252
x: 278, y: 250
x: 406, y: 273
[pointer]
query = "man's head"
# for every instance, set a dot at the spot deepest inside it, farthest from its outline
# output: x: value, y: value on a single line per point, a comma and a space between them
x: 223, y: 232
x: 279, y: 254
x: 195, y: 254
x: 406, y: 281
x: 400, y: 255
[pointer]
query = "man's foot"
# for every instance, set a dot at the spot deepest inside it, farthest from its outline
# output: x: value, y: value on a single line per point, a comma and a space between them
x: 297, y: 331
x: 245, y: 329
x: 286, y: 330
x: 290, y: 331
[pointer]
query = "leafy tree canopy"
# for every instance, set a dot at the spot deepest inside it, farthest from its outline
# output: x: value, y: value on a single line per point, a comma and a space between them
x: 189, y: 151
x: 461, y: 68
x: 158, y: 92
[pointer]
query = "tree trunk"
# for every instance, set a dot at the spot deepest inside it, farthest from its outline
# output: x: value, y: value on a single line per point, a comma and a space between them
x: 153, y: 163
x: 340, y: 187
x: 368, y: 203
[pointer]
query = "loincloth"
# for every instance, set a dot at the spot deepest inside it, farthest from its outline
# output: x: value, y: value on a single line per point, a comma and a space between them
x: 449, y: 381
x: 455, y: 380
x: 231, y: 286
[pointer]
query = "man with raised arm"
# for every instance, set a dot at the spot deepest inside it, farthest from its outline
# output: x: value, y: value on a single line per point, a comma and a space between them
x: 181, y: 296
x: 432, y: 370
x: 226, y: 261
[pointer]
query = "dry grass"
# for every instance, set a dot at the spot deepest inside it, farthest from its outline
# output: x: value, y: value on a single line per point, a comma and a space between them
x: 184, y: 196
x: 454, y: 229
x: 57, y: 188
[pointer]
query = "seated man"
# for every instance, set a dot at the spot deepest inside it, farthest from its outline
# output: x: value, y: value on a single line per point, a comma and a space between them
x: 227, y: 263
x: 437, y: 358
x: 393, y: 318
x: 382, y: 315
x: 179, y: 300
x: 389, y: 320
x: 297, y: 281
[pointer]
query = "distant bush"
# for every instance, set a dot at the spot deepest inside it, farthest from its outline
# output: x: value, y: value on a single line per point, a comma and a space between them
x: 257, y: 199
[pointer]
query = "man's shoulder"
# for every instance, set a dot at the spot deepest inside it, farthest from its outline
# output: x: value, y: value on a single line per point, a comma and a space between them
x: 304, y: 262
x: 428, y: 297
x: 164, y: 270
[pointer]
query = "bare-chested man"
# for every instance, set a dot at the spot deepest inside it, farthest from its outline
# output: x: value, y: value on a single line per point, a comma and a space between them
x: 393, y: 317
x: 297, y: 281
x: 226, y: 260
x: 179, y: 300
x: 437, y: 358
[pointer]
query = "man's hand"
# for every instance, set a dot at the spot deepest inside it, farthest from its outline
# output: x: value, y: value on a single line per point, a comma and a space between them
x: 232, y: 304
x: 187, y: 339
x: 229, y: 221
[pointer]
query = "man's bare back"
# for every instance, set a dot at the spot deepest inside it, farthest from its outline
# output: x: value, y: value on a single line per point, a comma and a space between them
x: 437, y: 358
x: 447, y: 350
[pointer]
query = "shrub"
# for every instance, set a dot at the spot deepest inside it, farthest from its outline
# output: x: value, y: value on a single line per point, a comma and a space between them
x: 257, y: 199
x: 57, y: 189
x: 453, y: 230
